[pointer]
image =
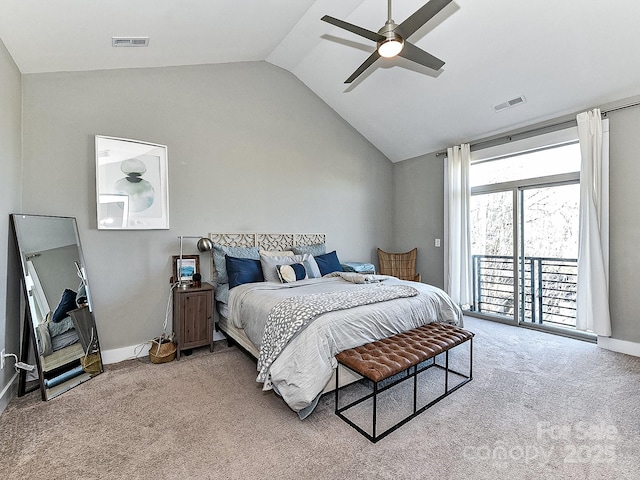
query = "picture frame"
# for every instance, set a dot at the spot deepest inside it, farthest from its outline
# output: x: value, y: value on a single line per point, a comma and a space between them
x: 132, y: 186
x: 190, y: 265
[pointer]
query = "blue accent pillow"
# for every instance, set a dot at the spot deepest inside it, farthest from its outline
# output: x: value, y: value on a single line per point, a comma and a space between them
x: 291, y: 273
x: 219, y: 253
x: 243, y: 270
x: 315, y: 249
x: 328, y: 263
x: 67, y: 303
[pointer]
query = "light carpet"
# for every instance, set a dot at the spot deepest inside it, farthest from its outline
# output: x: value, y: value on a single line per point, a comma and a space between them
x: 540, y: 406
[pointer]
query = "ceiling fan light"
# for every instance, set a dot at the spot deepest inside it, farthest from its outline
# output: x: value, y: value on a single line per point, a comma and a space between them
x: 391, y: 47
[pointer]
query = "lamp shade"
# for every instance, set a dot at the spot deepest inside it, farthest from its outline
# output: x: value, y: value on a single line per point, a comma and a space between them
x: 204, y: 244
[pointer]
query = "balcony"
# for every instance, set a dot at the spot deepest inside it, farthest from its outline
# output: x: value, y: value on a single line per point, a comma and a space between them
x: 548, y: 288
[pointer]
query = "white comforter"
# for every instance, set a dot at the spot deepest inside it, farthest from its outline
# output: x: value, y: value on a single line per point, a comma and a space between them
x: 306, y: 365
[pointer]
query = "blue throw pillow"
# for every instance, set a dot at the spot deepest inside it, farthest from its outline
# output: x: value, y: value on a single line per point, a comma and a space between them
x: 328, y: 263
x: 243, y: 270
x: 219, y: 253
x: 67, y: 303
x: 291, y: 273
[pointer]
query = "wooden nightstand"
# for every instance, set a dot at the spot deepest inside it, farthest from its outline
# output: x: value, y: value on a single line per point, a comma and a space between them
x: 193, y: 317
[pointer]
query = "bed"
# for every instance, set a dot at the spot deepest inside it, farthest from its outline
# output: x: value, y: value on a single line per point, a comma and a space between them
x: 294, y: 320
x: 57, y: 331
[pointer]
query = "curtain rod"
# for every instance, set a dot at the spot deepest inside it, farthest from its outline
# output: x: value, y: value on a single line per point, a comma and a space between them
x: 539, y: 130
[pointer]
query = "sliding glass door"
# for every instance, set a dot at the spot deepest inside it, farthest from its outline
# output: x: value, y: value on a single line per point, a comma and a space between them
x: 524, y: 236
x: 549, y: 258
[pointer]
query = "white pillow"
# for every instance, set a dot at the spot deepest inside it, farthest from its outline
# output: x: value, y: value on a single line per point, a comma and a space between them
x: 310, y: 264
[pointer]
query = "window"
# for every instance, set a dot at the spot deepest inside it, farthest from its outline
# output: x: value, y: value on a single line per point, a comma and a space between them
x: 540, y: 163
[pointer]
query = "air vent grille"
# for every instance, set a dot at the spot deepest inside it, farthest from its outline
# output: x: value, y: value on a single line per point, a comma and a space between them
x: 510, y: 103
x: 129, y: 41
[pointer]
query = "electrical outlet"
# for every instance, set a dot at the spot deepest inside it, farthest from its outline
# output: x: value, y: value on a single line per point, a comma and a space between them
x: 437, y: 242
x: 2, y: 359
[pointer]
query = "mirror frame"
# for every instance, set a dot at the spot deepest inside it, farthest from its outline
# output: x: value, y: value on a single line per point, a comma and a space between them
x: 83, y: 316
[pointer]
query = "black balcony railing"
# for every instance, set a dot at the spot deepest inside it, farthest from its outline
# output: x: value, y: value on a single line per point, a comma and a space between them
x: 548, y: 288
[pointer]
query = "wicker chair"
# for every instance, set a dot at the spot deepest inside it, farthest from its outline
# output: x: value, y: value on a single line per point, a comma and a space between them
x: 401, y: 265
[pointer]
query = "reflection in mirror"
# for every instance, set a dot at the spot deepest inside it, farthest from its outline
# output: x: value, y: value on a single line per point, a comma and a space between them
x: 58, y: 315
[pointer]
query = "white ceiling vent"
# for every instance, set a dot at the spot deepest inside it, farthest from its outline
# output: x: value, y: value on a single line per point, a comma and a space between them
x: 129, y: 41
x: 510, y: 103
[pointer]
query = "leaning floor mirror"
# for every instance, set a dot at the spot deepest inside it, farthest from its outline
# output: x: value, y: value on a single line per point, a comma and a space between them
x: 59, y: 334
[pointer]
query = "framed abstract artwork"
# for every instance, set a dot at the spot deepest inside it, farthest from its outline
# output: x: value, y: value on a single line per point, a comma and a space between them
x: 132, y: 187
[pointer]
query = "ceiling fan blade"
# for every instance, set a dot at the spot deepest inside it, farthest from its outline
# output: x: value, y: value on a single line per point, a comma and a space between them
x: 363, y: 32
x: 367, y: 63
x: 420, y: 17
x: 417, y: 55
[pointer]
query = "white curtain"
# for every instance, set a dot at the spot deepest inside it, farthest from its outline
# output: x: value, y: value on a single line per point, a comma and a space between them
x: 593, y: 290
x: 459, y: 278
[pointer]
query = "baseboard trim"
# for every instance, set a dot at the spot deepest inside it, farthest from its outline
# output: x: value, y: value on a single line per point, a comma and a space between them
x: 620, y: 346
x: 116, y: 355
x: 8, y: 392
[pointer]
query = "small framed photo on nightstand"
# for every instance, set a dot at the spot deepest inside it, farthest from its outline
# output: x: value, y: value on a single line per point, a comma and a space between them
x: 190, y: 265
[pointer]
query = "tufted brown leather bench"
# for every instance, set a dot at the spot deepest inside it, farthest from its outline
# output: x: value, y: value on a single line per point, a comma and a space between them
x: 404, y: 352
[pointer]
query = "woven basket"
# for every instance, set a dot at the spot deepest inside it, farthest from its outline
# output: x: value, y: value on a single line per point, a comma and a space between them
x: 91, y: 363
x: 162, y: 352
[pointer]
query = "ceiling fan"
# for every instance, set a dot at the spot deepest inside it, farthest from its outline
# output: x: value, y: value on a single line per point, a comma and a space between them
x: 391, y: 39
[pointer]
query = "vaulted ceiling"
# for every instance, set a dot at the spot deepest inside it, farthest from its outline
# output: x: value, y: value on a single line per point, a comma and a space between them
x: 561, y: 55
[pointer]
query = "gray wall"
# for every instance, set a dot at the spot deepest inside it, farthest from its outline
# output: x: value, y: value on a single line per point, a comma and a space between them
x: 624, y: 264
x: 418, y: 186
x: 250, y: 149
x: 56, y: 272
x: 10, y: 185
x: 419, y: 204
